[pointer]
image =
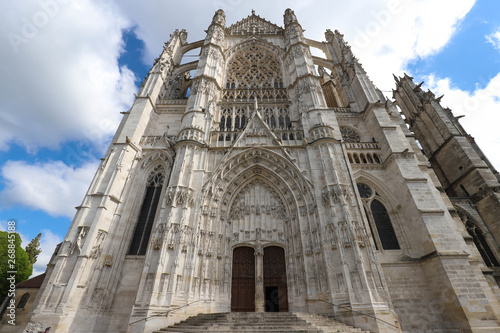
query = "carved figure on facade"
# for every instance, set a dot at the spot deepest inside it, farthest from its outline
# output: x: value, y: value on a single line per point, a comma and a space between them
x: 173, y: 235
x: 79, y: 241
x: 344, y: 232
x: 157, y: 239
x: 360, y: 233
x: 98, y: 244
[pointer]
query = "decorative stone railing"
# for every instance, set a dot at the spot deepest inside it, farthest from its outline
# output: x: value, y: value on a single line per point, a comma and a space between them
x: 248, y: 95
x: 161, y: 101
x: 227, y: 138
x: 362, y: 145
x: 341, y: 110
x: 363, y: 152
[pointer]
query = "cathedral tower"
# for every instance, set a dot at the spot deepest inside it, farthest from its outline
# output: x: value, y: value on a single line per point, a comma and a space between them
x: 262, y: 178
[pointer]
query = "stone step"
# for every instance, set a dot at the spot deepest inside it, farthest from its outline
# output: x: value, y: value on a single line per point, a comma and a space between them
x: 240, y: 329
x: 249, y: 322
x: 327, y: 323
x: 249, y: 330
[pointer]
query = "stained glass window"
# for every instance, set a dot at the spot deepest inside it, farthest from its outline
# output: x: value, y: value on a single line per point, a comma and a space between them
x: 481, y: 244
x: 147, y: 214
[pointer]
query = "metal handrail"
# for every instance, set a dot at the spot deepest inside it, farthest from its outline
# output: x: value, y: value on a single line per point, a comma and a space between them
x: 169, y: 311
x: 361, y: 313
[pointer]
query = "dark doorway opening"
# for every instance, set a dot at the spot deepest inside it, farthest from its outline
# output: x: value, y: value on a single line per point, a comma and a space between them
x: 275, y: 286
x: 272, y: 299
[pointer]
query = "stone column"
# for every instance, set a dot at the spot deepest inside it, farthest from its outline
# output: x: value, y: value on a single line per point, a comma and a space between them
x: 259, y: 282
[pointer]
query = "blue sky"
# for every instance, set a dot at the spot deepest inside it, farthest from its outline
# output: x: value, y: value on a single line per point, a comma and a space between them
x: 67, y: 79
x: 466, y: 58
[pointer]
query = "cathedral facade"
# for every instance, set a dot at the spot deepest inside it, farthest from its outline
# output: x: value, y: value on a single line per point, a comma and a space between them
x: 263, y: 178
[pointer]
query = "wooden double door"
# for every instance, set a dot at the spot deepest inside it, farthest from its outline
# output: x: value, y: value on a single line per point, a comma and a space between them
x: 245, y: 290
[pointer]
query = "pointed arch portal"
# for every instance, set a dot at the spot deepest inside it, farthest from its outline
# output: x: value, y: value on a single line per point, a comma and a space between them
x: 261, y: 197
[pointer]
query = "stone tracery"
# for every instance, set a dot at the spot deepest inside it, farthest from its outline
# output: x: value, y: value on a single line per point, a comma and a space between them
x: 254, y: 68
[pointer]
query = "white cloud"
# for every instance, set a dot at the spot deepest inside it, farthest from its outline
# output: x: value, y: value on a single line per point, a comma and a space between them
x: 494, y: 39
x: 384, y: 34
x: 481, y: 109
x: 63, y: 78
x: 396, y: 32
x: 52, y: 187
x: 65, y: 83
x: 60, y: 71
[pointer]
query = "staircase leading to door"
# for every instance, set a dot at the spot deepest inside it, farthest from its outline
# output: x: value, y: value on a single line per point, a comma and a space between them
x: 259, y: 322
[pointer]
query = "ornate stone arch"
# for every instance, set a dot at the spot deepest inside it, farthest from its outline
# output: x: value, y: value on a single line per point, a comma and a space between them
x: 384, y: 191
x: 234, y: 169
x: 381, y: 197
x: 155, y: 156
x: 153, y: 170
x: 301, y: 231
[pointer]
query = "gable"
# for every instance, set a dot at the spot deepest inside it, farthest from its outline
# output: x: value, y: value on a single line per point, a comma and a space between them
x: 254, y: 25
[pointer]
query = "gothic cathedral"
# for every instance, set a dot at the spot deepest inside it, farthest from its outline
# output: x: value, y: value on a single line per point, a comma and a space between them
x: 262, y: 178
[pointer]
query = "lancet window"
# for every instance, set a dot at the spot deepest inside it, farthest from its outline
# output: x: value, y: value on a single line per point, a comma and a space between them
x: 277, y: 117
x: 24, y: 300
x: 147, y: 214
x: 480, y: 241
x: 379, y: 220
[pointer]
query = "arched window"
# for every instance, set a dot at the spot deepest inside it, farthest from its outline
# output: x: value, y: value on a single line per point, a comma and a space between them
x: 237, y: 122
x: 384, y: 226
x: 481, y: 244
x: 222, y: 123
x: 149, y: 206
x: 23, y: 301
x: 281, y: 122
x: 378, y: 218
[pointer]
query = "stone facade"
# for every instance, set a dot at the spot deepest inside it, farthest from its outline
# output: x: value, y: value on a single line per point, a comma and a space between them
x: 268, y: 148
